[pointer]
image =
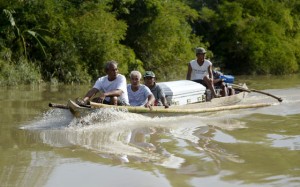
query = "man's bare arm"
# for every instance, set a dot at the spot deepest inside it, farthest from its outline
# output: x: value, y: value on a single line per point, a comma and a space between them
x: 90, y: 94
x: 189, y: 72
x: 112, y: 93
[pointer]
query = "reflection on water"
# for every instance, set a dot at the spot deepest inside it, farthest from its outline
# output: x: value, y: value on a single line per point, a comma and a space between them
x: 290, y: 142
x: 251, y: 147
x: 137, y: 140
x: 171, y: 142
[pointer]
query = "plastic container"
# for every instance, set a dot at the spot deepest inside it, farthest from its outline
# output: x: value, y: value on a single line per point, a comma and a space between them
x: 227, y: 78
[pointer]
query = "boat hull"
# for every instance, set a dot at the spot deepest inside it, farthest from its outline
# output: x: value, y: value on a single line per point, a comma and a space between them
x: 217, y: 104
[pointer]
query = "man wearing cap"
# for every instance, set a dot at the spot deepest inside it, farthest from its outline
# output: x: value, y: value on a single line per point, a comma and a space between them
x: 200, y: 70
x: 160, y: 98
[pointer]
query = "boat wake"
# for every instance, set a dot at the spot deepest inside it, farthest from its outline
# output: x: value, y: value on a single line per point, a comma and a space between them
x: 107, y: 117
x: 289, y: 105
x: 52, y: 119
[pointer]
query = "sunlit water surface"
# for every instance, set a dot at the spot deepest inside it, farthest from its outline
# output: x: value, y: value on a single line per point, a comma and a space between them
x: 41, y: 146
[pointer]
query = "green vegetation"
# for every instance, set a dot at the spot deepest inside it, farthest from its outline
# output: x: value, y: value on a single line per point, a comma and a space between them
x: 69, y: 41
x: 23, y: 73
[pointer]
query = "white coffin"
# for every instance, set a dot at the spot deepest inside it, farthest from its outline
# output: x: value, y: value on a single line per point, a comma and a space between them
x: 183, y: 92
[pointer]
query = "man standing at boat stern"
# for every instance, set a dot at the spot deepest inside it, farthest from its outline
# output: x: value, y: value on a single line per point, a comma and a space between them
x: 112, y: 87
x: 200, y: 71
x: 160, y: 98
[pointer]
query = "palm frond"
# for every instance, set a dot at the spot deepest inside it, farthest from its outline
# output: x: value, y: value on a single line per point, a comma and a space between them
x: 10, y: 17
x: 40, y: 31
x: 38, y: 38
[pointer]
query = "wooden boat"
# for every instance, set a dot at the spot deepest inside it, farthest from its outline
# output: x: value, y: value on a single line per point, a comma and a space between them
x: 216, y: 104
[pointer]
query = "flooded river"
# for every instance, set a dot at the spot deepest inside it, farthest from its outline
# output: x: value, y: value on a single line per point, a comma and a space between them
x: 46, y: 147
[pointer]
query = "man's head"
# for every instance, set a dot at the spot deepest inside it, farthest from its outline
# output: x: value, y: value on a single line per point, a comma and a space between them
x: 200, y: 53
x: 135, y: 78
x: 111, y: 69
x: 200, y: 50
x: 149, y: 78
x: 149, y: 74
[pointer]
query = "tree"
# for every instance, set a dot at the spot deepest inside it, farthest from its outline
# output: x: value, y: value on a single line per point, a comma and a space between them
x: 23, y: 41
x: 160, y: 34
x: 98, y: 34
x: 248, y: 36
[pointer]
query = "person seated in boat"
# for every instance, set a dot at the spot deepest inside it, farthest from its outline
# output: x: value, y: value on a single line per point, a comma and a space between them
x: 112, y: 88
x: 139, y: 94
x: 160, y: 98
x: 219, y: 83
x: 200, y: 71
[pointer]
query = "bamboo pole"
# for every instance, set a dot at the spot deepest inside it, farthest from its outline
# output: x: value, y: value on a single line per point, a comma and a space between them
x: 178, y: 111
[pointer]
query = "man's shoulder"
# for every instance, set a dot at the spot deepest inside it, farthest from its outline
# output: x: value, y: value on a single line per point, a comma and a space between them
x: 102, y: 78
x: 193, y: 61
x: 121, y: 77
x: 144, y: 87
x: 156, y: 87
x: 207, y: 61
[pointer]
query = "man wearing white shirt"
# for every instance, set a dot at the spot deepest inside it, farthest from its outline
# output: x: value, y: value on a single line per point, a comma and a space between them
x: 139, y: 94
x: 200, y: 70
x: 112, y: 87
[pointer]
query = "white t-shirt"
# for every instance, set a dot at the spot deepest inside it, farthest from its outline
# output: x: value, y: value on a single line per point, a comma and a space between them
x: 139, y: 97
x: 198, y: 72
x: 104, y: 85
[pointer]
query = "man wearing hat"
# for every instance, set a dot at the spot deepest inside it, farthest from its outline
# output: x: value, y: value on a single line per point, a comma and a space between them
x: 160, y: 98
x: 200, y: 70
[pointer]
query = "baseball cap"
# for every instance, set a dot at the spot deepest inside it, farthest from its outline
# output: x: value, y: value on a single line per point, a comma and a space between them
x: 200, y: 50
x: 149, y: 74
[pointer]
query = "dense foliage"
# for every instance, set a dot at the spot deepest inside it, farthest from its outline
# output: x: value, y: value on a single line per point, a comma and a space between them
x: 70, y: 40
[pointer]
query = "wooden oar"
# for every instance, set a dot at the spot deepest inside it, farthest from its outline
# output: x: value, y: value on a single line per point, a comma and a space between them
x: 258, y: 91
x: 62, y: 106
x: 55, y: 105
